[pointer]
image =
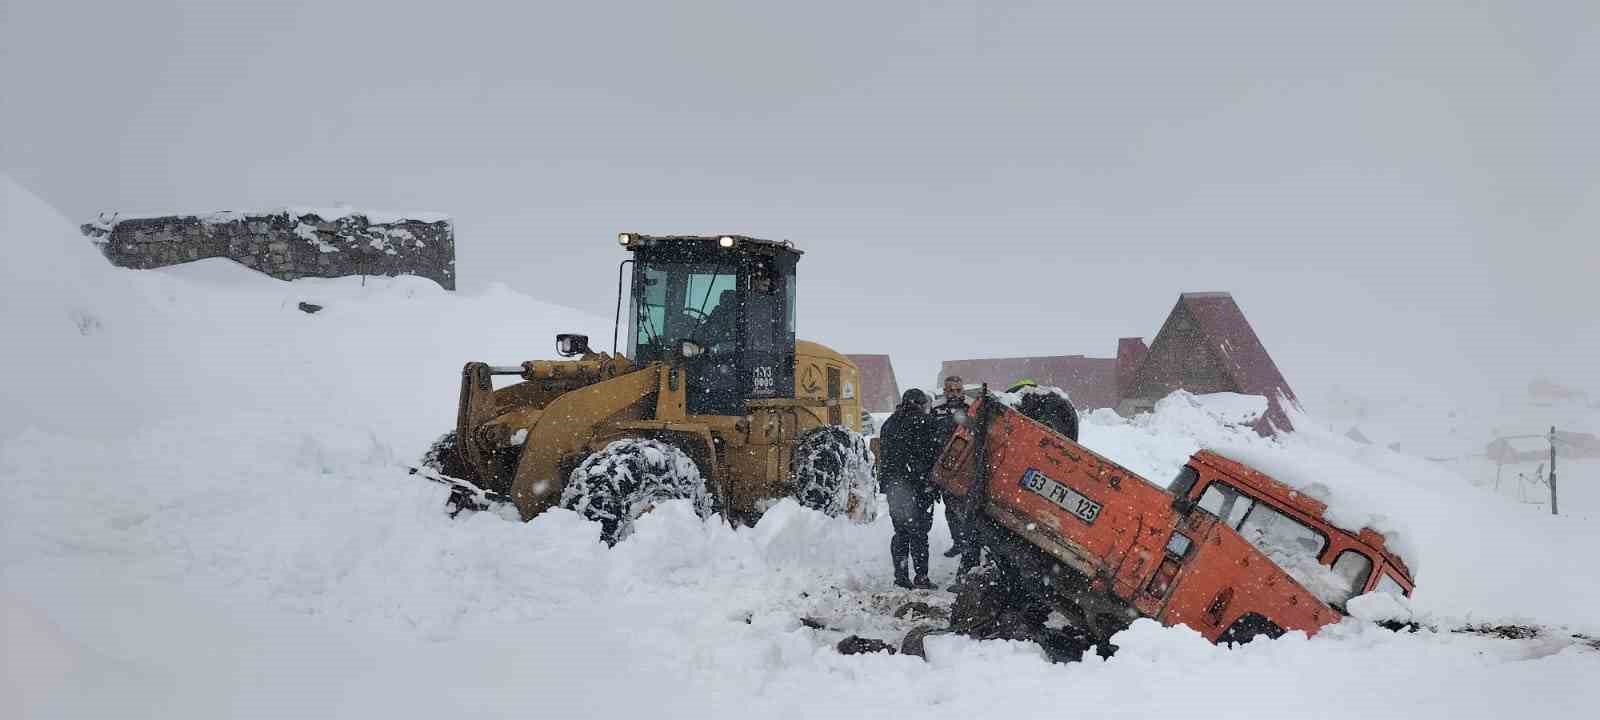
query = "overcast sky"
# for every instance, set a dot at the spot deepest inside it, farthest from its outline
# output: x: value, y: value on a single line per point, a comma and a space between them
x: 1393, y: 191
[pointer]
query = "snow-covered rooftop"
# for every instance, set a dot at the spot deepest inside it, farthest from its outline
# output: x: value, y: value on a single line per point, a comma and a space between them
x: 326, y: 214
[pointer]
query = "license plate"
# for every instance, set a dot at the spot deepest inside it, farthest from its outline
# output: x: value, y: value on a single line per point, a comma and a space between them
x: 1064, y: 497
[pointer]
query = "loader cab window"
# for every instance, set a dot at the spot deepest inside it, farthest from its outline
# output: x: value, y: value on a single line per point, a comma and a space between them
x: 714, y: 311
x: 683, y: 301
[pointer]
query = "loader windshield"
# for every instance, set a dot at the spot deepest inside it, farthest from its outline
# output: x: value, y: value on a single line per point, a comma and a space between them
x: 684, y: 301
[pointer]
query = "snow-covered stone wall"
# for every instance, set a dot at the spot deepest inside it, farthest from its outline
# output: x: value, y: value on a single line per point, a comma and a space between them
x: 288, y: 243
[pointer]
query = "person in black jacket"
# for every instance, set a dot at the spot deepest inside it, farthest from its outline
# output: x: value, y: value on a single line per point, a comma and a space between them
x: 909, y: 442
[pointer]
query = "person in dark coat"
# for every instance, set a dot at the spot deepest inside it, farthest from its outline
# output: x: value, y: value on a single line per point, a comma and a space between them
x: 909, y: 443
x: 951, y: 412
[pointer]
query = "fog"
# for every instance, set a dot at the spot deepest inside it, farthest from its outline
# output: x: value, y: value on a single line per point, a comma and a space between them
x: 1400, y: 195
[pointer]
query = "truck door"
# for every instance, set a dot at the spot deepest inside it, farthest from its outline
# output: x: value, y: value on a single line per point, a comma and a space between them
x: 1228, y: 579
x: 1183, y: 544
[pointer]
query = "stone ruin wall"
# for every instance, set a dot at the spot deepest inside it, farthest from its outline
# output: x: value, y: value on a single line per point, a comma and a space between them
x: 288, y: 244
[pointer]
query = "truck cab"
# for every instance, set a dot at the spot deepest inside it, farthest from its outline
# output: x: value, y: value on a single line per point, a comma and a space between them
x: 1289, y: 527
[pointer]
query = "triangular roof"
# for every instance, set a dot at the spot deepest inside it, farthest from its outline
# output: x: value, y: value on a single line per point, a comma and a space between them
x: 1243, y: 356
x: 1221, y: 338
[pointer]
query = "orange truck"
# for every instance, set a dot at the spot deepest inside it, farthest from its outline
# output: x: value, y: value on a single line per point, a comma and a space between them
x: 1227, y: 550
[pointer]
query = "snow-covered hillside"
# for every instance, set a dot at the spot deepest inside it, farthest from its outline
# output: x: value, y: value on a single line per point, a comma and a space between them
x: 204, y: 512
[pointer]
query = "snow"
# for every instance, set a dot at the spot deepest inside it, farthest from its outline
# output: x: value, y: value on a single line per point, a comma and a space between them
x: 309, y: 234
x: 1529, y: 444
x: 204, y: 512
x: 1233, y: 408
x: 1380, y: 606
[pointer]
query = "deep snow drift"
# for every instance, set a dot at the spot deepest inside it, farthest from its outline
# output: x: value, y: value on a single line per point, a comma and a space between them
x: 206, y: 514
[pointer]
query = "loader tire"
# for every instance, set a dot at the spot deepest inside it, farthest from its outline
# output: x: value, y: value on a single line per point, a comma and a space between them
x: 1052, y: 410
x: 629, y: 478
x: 1249, y: 627
x: 832, y: 473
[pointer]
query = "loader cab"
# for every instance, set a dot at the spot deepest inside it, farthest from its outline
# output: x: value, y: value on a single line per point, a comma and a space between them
x: 723, y: 308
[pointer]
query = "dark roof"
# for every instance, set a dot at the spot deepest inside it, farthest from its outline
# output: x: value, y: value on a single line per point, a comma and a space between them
x: 879, y: 391
x: 1130, y: 352
x: 1092, y: 382
x: 1243, y: 356
x: 741, y: 242
x: 1240, y: 352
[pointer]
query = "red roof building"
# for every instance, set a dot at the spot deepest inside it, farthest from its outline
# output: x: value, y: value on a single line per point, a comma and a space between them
x: 1205, y: 346
x: 879, y: 391
x: 1091, y: 382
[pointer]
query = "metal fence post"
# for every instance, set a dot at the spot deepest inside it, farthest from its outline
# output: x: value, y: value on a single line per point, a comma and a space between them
x: 1553, y: 471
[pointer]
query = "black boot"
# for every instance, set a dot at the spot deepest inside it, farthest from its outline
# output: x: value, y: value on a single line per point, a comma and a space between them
x: 919, y: 562
x: 970, y: 558
x: 899, y: 552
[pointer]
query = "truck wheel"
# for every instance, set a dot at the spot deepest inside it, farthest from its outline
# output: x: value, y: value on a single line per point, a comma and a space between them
x: 629, y: 478
x: 832, y: 472
x: 1052, y: 410
x: 1249, y: 627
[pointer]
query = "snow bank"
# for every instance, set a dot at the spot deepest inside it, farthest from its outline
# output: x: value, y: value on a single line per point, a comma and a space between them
x: 204, y: 513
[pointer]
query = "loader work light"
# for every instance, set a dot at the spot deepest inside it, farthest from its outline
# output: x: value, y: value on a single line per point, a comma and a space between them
x: 570, y: 344
x: 624, y: 238
x: 726, y: 241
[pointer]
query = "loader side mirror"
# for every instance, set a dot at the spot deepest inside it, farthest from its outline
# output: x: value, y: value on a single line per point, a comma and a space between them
x: 570, y: 344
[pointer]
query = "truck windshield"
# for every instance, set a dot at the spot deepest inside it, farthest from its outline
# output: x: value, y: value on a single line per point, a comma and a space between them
x: 1272, y: 532
x: 1290, y: 544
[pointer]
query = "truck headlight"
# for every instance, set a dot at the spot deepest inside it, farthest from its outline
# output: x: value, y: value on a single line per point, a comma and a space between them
x: 725, y: 241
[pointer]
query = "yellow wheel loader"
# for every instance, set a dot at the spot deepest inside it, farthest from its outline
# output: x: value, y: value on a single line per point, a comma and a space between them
x: 715, y: 401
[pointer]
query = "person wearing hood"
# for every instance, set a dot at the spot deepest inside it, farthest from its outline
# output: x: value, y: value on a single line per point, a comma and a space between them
x: 909, y: 442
